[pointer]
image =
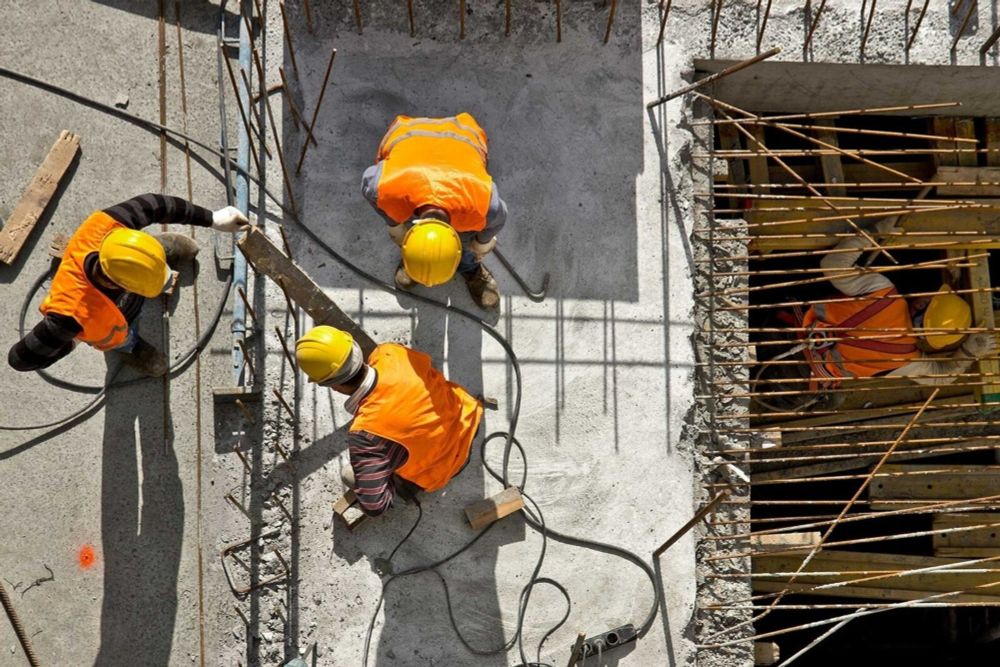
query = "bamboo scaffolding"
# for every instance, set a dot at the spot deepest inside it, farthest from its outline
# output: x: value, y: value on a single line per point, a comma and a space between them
x: 920, y: 19
x: 831, y: 114
x: 826, y: 534
x: 796, y: 176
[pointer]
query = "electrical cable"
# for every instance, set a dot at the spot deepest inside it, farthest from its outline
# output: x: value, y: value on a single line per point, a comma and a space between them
x: 533, y: 519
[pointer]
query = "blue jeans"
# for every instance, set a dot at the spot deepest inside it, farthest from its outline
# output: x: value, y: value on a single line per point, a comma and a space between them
x: 131, y: 341
x: 468, y: 264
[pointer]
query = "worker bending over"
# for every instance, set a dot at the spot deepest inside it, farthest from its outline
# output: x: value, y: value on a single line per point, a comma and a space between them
x: 412, y: 428
x: 108, y: 270
x: 431, y: 185
x: 855, y: 339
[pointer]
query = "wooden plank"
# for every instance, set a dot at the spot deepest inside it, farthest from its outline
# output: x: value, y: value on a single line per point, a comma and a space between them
x: 931, y: 483
x: 967, y: 542
x: 347, y: 509
x: 784, y: 541
x: 758, y: 164
x: 966, y: 128
x: 967, y: 175
x: 847, y: 564
x: 485, y: 512
x: 271, y: 261
x: 944, y: 126
x: 983, y: 316
x: 729, y: 140
x: 766, y: 653
x: 832, y: 166
x: 993, y: 142
x: 35, y: 200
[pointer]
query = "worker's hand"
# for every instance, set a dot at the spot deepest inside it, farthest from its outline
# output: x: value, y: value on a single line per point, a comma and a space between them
x: 887, y: 226
x: 480, y: 250
x: 229, y: 219
x: 980, y: 345
x: 396, y: 233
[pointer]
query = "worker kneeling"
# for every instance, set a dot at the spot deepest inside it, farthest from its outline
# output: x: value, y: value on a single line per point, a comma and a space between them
x: 108, y: 269
x: 412, y: 429
x: 431, y: 185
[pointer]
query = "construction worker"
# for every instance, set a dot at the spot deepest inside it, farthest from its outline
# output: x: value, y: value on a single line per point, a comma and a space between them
x: 412, y: 428
x: 855, y: 339
x: 443, y: 210
x: 108, y: 270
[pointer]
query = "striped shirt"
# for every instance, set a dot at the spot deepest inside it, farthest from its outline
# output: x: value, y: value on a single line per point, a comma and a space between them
x: 52, y: 339
x: 375, y: 460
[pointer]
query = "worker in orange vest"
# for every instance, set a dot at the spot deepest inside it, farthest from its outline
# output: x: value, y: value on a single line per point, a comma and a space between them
x: 108, y: 269
x: 856, y: 338
x: 431, y: 185
x: 412, y: 429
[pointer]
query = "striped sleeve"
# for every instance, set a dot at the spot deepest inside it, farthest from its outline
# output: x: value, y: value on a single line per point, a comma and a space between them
x: 148, y: 209
x: 374, y: 460
x: 49, y: 341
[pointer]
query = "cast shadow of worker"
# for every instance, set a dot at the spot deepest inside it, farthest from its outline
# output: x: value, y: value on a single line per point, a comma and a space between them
x: 142, y: 525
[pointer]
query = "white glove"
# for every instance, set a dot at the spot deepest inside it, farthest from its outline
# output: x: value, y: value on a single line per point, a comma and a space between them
x: 887, y: 226
x: 229, y: 219
x: 480, y: 250
x: 396, y: 233
x: 980, y: 345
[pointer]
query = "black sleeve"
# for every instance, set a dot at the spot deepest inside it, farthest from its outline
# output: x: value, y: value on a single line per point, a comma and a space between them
x: 48, y: 342
x: 149, y: 209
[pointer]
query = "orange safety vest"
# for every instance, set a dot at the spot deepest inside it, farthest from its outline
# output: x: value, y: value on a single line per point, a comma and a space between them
x: 413, y: 404
x: 435, y: 162
x: 866, y: 318
x: 72, y: 293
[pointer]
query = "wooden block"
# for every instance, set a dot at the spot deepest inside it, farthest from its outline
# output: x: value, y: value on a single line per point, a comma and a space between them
x: 485, y: 512
x: 784, y: 541
x: 271, y: 261
x: 988, y: 175
x: 993, y: 142
x: 766, y: 653
x: 894, y: 485
x: 347, y: 509
x: 36, y: 198
x: 345, y: 501
x: 982, y: 534
x: 832, y: 166
x: 58, y: 245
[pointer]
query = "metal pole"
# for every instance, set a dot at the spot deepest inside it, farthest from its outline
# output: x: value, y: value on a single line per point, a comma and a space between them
x: 238, y: 328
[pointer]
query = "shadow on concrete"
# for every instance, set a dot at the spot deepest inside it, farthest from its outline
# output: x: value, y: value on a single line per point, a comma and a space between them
x: 142, y: 526
x: 198, y: 15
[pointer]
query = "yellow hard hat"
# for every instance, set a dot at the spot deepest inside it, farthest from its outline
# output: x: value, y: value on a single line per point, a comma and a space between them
x: 946, y: 310
x: 328, y: 355
x: 431, y: 252
x: 135, y: 261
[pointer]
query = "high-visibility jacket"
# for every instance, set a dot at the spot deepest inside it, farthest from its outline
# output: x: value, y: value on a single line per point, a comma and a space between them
x: 72, y: 294
x: 413, y: 404
x: 435, y: 162
x: 864, y: 327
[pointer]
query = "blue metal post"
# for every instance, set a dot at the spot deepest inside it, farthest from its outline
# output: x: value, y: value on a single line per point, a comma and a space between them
x: 238, y: 328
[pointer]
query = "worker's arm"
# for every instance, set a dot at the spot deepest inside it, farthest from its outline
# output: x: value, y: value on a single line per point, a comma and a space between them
x: 496, y: 218
x: 375, y: 460
x: 848, y: 281
x: 975, y: 347
x: 48, y: 342
x: 369, y: 189
x: 148, y: 209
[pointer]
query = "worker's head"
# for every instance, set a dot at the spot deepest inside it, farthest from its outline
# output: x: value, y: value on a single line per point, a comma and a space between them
x: 330, y: 358
x: 431, y: 251
x: 134, y: 261
x: 945, y: 310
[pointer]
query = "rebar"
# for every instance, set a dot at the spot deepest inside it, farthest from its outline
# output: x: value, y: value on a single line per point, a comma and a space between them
x: 319, y: 103
x: 814, y: 23
x: 611, y: 20
x: 288, y: 37
x: 868, y: 26
x: 15, y: 621
x: 732, y: 69
x: 916, y: 27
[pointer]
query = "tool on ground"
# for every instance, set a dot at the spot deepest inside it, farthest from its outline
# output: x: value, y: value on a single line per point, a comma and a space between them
x: 732, y: 69
x: 612, y: 639
x: 535, y: 295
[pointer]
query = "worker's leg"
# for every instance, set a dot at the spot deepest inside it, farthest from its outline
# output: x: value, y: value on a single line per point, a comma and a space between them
x: 137, y: 353
x: 482, y: 286
x: 178, y: 247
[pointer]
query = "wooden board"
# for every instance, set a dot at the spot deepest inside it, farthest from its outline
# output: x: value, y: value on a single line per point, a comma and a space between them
x: 993, y: 142
x: 988, y: 175
x: 968, y: 543
x: 847, y: 563
x: 35, y: 200
x: 758, y: 163
x: 485, y: 512
x: 966, y: 129
x: 983, y: 316
x: 930, y: 483
x: 944, y: 126
x: 271, y: 261
x: 784, y: 541
x: 831, y: 165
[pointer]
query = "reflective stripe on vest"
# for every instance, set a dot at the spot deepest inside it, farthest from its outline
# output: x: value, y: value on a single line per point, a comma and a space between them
x: 72, y: 294
x: 413, y: 404
x: 435, y: 162
x: 877, y: 311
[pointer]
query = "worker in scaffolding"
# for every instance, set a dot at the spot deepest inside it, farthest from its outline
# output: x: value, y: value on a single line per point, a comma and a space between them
x: 875, y: 332
x: 412, y: 429
x: 108, y: 270
x: 431, y: 185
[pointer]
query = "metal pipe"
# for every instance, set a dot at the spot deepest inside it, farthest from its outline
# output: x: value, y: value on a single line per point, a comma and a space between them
x: 238, y: 328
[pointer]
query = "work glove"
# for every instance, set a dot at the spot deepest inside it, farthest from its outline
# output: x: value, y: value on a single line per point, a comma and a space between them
x: 980, y: 345
x: 396, y: 233
x: 229, y: 219
x: 480, y: 250
x: 887, y: 226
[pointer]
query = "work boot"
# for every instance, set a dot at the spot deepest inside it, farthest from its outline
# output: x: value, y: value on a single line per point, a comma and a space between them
x: 178, y: 247
x: 403, y: 279
x: 483, y: 288
x: 146, y: 359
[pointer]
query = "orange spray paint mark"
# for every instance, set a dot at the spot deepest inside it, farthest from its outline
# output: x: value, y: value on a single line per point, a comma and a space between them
x: 86, y: 557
